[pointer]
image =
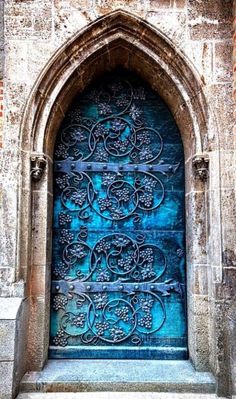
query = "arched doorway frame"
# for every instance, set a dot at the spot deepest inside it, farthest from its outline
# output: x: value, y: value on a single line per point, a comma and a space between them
x: 118, y: 38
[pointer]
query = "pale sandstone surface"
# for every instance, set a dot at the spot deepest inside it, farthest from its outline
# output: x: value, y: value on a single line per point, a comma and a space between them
x: 33, y: 32
x: 114, y: 395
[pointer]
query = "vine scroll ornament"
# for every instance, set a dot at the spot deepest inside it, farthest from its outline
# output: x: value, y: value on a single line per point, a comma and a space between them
x: 109, y: 279
x: 118, y: 265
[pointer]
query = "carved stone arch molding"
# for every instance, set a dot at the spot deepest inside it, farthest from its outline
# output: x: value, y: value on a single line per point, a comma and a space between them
x: 118, y: 38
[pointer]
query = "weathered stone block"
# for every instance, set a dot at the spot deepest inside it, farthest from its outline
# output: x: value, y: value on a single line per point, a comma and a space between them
x: 214, y: 169
x: 220, y: 98
x: 210, y: 19
x: 39, y: 55
x: 227, y: 168
x: 198, y: 329
x: 231, y: 329
x: 6, y: 373
x: 7, y: 273
x: 198, y: 279
x: 25, y: 20
x: 18, y: 22
x: 11, y: 331
x: 17, y: 61
x: 39, y: 332
x: 223, y: 62
x: 228, y: 207
x: 201, y: 54
x: 115, y: 375
x: 196, y: 228
x: 157, y: 4
x: 172, y: 24
x: 228, y: 227
x: 42, y: 23
x: 9, y: 308
x: 202, y: 344
x: 214, y: 229
x: 41, y: 226
x: 102, y: 7
x: 198, y: 304
x: 8, y: 226
x: 40, y: 280
x: 25, y: 247
x: 115, y: 395
x: 7, y: 340
x: 20, y: 358
x: 67, y: 21
x: 15, y: 98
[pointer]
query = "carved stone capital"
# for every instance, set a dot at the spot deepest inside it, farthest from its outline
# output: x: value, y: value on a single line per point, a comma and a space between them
x: 38, y: 164
x: 200, y: 165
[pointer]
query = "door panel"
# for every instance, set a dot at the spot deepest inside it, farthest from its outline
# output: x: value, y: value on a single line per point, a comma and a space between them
x: 118, y: 273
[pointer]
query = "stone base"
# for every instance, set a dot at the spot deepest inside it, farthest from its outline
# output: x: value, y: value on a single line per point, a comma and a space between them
x: 12, y: 349
x: 114, y: 395
x: 118, y: 376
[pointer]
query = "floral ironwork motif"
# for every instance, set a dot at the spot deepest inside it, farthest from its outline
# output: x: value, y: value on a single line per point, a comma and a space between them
x: 118, y: 134
x: 121, y: 259
x: 117, y: 197
x: 109, y: 283
x: 112, y: 257
x: 118, y: 131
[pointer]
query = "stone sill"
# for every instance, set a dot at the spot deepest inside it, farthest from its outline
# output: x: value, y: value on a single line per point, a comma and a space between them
x: 115, y: 395
x: 118, y: 375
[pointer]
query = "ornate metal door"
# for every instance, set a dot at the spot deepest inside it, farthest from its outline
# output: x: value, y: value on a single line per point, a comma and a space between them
x: 118, y: 273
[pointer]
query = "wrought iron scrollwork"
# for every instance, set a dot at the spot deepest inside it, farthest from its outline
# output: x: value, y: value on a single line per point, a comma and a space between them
x: 115, y: 297
x: 118, y: 132
x: 113, y: 257
x: 118, y: 197
x: 99, y: 317
x: 110, y: 282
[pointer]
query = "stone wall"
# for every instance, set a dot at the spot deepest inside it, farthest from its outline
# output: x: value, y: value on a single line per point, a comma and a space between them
x: 231, y: 314
x: 1, y: 67
x: 199, y: 30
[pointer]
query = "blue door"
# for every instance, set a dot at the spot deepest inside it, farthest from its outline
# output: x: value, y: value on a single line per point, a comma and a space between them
x: 118, y: 273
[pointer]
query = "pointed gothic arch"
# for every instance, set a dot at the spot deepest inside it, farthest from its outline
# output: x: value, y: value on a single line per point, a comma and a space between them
x: 118, y: 38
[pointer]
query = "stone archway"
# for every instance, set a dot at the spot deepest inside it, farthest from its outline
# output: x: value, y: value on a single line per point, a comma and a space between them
x: 116, y: 39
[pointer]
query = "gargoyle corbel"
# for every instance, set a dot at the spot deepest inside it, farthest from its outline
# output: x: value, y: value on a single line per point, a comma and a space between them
x: 200, y: 165
x: 38, y: 164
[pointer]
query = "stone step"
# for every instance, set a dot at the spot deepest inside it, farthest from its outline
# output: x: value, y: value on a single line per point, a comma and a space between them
x: 114, y: 395
x: 118, y: 376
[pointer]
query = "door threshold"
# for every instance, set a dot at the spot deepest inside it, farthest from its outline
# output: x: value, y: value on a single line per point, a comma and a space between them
x: 118, y: 376
x: 114, y: 395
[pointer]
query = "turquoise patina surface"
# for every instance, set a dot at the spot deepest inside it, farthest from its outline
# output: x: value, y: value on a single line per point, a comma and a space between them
x: 118, y: 273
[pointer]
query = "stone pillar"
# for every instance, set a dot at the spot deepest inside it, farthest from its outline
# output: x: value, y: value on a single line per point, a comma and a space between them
x: 230, y: 257
x: 1, y: 68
